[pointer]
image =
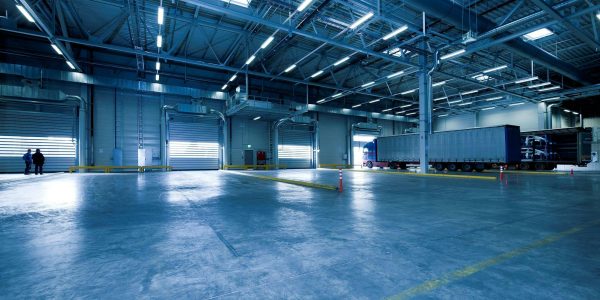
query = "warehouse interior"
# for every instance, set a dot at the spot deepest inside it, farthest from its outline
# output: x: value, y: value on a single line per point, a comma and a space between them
x: 328, y: 149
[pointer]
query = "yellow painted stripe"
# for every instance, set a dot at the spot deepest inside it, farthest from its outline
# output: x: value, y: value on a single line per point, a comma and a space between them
x: 430, y: 175
x: 290, y: 181
x: 530, y: 172
x: 433, y: 284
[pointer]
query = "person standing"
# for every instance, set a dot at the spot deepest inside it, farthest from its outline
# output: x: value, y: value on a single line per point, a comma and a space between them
x: 38, y: 161
x: 28, y: 160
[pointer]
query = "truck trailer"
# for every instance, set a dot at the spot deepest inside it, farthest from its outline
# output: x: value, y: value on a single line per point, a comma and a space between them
x: 467, y: 149
x: 544, y: 149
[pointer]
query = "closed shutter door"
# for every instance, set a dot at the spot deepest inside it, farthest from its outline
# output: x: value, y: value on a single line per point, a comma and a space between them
x: 295, y: 148
x: 193, y: 143
x: 51, y: 128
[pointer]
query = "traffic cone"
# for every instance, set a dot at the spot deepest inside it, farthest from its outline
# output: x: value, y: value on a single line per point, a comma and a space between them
x: 501, y: 173
x: 571, y: 171
x: 341, y: 187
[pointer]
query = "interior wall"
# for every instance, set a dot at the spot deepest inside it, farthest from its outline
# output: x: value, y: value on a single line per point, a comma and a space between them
x: 525, y: 116
x: 454, y: 122
x: 333, y: 138
x: 247, y: 134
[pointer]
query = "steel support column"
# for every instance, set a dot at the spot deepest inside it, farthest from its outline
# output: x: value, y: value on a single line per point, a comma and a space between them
x: 425, y: 105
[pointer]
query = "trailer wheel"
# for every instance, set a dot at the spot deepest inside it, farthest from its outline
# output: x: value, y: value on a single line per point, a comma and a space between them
x: 370, y: 164
x: 452, y: 167
x: 524, y: 166
x: 550, y: 167
x: 479, y: 167
x: 403, y: 166
x: 467, y: 167
x: 393, y: 166
x: 439, y: 166
x: 540, y: 166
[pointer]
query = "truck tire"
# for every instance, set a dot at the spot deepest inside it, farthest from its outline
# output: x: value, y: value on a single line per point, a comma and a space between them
x: 393, y: 166
x: 550, y: 167
x: 439, y: 166
x: 403, y: 166
x: 370, y: 164
x: 452, y: 167
x: 467, y: 167
x: 524, y: 166
x: 540, y: 166
x: 479, y: 167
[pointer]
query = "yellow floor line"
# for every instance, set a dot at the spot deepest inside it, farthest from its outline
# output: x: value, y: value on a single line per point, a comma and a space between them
x: 529, y: 172
x: 433, y: 284
x: 430, y: 175
x: 290, y: 181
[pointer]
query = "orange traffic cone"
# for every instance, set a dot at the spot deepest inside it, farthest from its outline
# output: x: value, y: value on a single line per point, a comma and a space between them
x: 571, y: 171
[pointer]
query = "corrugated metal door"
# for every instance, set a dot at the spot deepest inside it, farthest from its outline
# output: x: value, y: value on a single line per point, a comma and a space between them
x: 296, y: 147
x: 52, y: 128
x: 193, y: 143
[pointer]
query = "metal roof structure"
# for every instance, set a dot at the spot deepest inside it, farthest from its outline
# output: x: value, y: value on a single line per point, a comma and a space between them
x: 351, y: 54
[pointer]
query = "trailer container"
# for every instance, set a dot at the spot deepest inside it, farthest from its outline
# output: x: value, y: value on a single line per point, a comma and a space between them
x: 467, y: 149
x: 544, y: 149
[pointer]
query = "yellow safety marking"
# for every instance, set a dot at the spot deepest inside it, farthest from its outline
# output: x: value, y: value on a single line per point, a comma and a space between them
x: 334, y: 166
x: 295, y: 182
x: 429, y: 175
x: 433, y: 284
x: 530, y: 172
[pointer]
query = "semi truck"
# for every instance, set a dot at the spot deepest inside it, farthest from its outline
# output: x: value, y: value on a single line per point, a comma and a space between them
x: 467, y: 149
x: 545, y: 149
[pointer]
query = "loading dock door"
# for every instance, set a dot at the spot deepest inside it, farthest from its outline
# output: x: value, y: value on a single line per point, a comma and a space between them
x: 296, y: 147
x: 193, y: 143
x: 52, y: 128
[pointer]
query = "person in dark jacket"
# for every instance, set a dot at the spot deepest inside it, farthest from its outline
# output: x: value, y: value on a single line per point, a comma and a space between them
x: 38, y: 160
x: 28, y: 160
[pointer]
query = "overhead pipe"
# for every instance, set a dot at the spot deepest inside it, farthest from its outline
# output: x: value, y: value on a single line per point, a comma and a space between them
x: 457, y: 15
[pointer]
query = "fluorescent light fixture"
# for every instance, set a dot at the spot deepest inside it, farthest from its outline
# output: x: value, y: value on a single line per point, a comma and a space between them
x: 412, y: 113
x: 488, y: 108
x: 566, y: 110
x: 321, y: 101
x: 70, y: 65
x: 538, y: 34
x: 408, y: 92
x: 387, y: 109
x: 494, y: 98
x: 161, y: 15
x: 515, y: 104
x: 361, y: 20
x: 466, y: 103
x: 159, y: 41
x: 316, y: 74
x: 498, y: 68
x: 337, y: 95
x: 539, y: 85
x: 251, y: 59
x: 575, y: 113
x: 439, y: 83
x: 25, y: 13
x: 157, y: 65
x: 400, y: 112
x: 232, y: 78
x: 395, y: 74
x: 405, y: 106
x: 56, y: 49
x: 481, y: 77
x: 453, y: 54
x: 304, y: 5
x: 375, y: 101
x: 266, y: 43
x: 341, y: 61
x: 440, y: 98
x: 526, y: 79
x: 357, y: 105
x: 289, y: 68
x: 440, y: 116
x: 551, y: 99
x: 455, y: 101
x: 395, y: 33
x: 470, y: 92
x: 223, y: 87
x: 157, y: 77
x: 368, y: 84
x: 598, y: 15
x: 552, y: 88
x: 257, y: 118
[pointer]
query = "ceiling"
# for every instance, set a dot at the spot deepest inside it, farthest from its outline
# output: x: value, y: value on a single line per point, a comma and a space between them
x: 372, y: 66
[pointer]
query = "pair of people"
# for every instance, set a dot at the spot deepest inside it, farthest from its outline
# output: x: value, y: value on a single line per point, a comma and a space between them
x: 37, y: 159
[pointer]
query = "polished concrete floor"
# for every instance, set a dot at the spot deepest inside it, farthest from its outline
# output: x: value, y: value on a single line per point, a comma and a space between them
x: 222, y: 235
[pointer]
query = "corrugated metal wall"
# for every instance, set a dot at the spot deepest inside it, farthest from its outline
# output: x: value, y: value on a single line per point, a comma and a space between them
x: 247, y: 134
x: 193, y: 143
x: 333, y: 138
x: 52, y: 128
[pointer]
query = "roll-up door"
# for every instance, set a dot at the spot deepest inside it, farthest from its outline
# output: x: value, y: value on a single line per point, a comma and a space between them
x: 51, y: 128
x: 193, y: 143
x: 360, y: 138
x: 296, y: 147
